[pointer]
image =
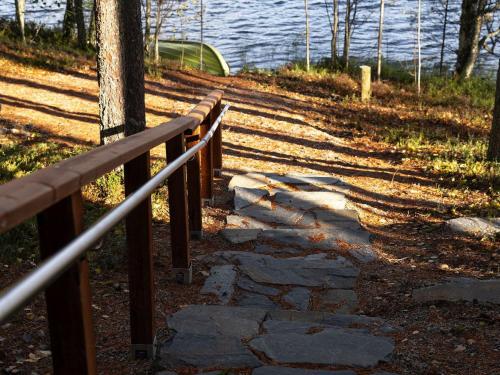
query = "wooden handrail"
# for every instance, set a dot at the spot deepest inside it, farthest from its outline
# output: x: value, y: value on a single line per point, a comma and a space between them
x: 24, y: 198
x: 54, y: 196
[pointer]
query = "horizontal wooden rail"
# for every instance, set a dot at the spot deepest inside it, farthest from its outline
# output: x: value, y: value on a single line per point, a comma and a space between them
x: 53, y: 195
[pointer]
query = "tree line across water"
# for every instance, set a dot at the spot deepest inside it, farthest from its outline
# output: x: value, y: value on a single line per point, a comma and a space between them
x: 116, y: 28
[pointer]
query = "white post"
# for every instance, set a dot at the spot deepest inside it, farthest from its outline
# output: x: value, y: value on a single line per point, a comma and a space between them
x: 366, y: 83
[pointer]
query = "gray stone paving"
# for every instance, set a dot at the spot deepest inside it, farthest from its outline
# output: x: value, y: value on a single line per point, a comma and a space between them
x: 266, y: 319
x: 475, y: 226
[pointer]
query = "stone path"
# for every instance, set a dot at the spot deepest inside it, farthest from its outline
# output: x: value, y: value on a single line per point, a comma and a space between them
x: 288, y: 306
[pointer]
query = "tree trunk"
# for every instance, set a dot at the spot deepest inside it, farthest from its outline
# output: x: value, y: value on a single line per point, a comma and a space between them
x: 80, y: 24
x: 308, y: 51
x: 347, y: 34
x: 120, y: 64
x: 147, y: 28
x: 20, y: 9
x: 91, y: 37
x: 379, y: 47
x: 335, y: 30
x: 202, y: 29
x: 494, y: 146
x: 443, y: 39
x: 419, y: 57
x: 159, y: 21
x: 471, y: 22
x: 69, y: 21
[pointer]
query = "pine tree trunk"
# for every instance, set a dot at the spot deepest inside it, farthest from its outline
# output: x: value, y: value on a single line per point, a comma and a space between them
x: 91, y: 37
x: 494, y: 146
x: 120, y: 63
x: 147, y: 28
x: 20, y: 9
x: 443, y: 39
x: 471, y: 22
x: 347, y: 35
x: 69, y: 21
x: 335, y: 30
x: 80, y: 24
x: 419, y: 57
x: 156, y: 37
x: 379, y: 47
x: 308, y: 51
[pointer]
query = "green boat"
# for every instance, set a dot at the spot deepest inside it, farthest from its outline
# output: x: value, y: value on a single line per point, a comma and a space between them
x: 187, y: 53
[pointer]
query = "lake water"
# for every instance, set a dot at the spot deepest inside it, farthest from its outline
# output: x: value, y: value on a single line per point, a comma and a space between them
x: 269, y: 33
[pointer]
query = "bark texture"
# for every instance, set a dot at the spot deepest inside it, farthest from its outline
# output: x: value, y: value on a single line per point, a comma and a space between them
x: 335, y: 30
x: 471, y: 22
x: 380, y: 34
x: 120, y: 62
x: 69, y: 21
x: 347, y: 34
x: 20, y: 9
x: 80, y: 24
x: 494, y: 146
x: 147, y: 27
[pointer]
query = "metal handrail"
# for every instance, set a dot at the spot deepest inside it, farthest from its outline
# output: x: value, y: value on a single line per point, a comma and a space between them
x: 39, y: 279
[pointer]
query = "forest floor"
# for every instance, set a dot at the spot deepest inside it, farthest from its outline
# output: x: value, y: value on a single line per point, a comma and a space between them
x: 392, y: 151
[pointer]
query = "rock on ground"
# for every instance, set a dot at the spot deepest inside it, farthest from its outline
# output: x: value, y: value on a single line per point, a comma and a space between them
x: 220, y: 283
x: 475, y: 226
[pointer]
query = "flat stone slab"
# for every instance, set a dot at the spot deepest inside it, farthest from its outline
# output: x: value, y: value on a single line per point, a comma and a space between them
x: 236, y: 236
x: 300, y: 271
x: 346, y: 299
x: 268, y: 249
x: 325, y: 238
x: 220, y: 283
x: 461, y: 289
x: 210, y: 320
x: 201, y: 351
x: 256, y: 300
x: 306, y: 200
x: 325, y: 318
x: 475, y: 226
x: 275, y: 370
x: 298, y: 298
x: 333, y: 216
x: 277, y: 215
x: 246, y: 222
x: 364, y: 254
x: 244, y: 197
x: 251, y: 286
x: 332, y: 346
x: 302, y: 179
x: 249, y: 181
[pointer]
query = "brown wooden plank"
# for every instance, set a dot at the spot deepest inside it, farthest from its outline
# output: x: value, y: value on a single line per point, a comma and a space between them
x: 140, y: 260
x: 178, y: 208
x: 217, y: 142
x: 194, y: 189
x: 68, y: 299
x: 203, y: 109
x: 68, y: 176
x: 206, y: 160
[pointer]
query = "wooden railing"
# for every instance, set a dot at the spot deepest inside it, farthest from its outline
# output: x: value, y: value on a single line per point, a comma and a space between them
x: 54, y: 196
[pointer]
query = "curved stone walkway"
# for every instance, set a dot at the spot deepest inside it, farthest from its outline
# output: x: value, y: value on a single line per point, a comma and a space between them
x: 288, y: 306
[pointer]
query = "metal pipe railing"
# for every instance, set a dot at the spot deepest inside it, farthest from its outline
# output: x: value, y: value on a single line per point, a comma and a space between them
x: 39, y: 279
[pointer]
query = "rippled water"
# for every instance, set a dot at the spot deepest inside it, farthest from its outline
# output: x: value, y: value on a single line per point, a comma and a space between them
x: 269, y: 33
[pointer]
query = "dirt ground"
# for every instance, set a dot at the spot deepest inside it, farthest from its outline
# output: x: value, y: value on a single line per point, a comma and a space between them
x: 300, y: 128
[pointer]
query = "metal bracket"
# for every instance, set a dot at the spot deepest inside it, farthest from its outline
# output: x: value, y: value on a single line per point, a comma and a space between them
x: 196, y: 234
x: 217, y: 172
x: 208, y: 202
x: 183, y: 275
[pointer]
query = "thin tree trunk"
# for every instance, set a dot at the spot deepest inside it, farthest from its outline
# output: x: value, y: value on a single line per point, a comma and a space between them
x: 471, y: 22
x: 380, y: 34
x: 419, y: 57
x: 202, y: 10
x: 80, y: 24
x: 91, y: 37
x: 308, y: 51
x: 347, y: 34
x: 335, y: 30
x: 443, y: 39
x: 494, y: 146
x: 147, y: 28
x: 120, y: 64
x: 159, y: 19
x: 20, y: 9
x: 69, y: 21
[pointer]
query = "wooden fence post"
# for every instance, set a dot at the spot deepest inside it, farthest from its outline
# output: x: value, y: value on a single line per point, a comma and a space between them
x: 366, y: 83
x: 217, y: 142
x: 68, y: 299
x: 194, y: 188
x: 178, y: 207
x: 140, y: 261
x: 207, y: 167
